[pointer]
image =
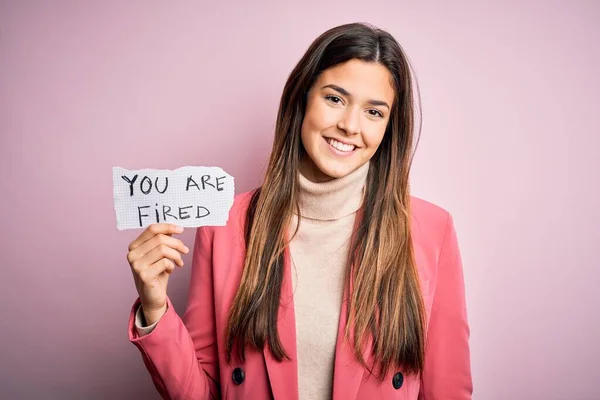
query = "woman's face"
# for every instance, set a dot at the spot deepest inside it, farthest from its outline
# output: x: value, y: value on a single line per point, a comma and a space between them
x: 347, y: 112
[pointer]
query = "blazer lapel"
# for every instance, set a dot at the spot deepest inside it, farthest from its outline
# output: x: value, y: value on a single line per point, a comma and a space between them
x: 283, y: 375
x: 348, y: 372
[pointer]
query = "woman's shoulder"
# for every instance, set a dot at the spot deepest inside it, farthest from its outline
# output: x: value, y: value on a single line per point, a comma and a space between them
x: 231, y: 234
x: 237, y: 214
x: 423, y: 209
x: 425, y: 214
x: 429, y: 221
x: 241, y: 202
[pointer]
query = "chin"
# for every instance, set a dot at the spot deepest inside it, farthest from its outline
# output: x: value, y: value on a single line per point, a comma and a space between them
x: 335, y: 171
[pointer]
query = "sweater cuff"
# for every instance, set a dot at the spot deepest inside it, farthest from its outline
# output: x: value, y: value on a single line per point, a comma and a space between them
x: 139, y: 323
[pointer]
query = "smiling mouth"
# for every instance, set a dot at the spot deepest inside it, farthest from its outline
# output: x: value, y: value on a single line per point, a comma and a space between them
x: 346, y: 148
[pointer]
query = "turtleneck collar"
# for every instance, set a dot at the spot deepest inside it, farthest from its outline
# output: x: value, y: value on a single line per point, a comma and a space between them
x: 333, y: 199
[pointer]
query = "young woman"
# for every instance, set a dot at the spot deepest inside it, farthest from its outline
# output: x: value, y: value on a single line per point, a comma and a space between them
x: 330, y: 280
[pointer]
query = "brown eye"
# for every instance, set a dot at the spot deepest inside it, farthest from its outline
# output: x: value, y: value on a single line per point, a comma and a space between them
x: 376, y: 113
x: 333, y: 99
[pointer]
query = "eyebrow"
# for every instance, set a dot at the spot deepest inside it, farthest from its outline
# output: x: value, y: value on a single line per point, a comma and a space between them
x: 348, y: 94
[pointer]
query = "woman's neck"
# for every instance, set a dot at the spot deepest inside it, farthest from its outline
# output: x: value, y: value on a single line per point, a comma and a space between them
x: 332, y: 199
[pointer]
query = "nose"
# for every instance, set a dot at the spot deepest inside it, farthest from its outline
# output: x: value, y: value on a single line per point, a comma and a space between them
x: 350, y: 121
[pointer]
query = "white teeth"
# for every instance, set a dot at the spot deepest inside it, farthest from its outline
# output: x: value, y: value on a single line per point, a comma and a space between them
x: 340, y: 146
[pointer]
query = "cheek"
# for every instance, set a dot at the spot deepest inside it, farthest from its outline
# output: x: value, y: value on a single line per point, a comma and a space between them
x: 305, y: 132
x: 307, y: 135
x: 311, y: 127
x: 374, y: 138
x: 318, y: 117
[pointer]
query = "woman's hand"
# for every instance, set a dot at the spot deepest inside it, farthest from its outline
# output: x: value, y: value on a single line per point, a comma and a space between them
x: 152, y: 257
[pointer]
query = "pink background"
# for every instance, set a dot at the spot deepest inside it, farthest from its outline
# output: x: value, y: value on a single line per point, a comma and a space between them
x: 510, y: 141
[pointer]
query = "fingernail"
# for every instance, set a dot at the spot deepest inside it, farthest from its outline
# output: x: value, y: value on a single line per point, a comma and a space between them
x: 186, y: 249
x: 178, y: 228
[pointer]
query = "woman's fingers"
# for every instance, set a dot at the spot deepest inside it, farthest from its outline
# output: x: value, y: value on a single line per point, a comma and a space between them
x: 154, y: 242
x: 153, y: 230
x: 149, y: 275
x: 154, y: 255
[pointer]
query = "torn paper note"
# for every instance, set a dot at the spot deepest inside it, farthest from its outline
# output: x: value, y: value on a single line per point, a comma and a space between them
x: 187, y: 196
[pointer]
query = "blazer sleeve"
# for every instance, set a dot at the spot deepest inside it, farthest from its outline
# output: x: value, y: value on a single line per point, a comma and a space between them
x: 182, y: 358
x: 447, y: 372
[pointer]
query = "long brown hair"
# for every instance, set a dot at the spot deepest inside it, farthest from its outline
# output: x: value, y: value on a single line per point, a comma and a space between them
x: 382, y: 288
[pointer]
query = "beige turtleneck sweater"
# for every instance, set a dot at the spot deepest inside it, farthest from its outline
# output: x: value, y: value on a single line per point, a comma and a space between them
x: 319, y: 253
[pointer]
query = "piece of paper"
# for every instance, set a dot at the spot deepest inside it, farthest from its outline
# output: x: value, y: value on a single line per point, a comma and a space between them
x: 186, y: 196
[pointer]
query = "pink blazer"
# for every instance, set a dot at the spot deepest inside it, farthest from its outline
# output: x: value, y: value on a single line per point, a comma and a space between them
x: 186, y: 360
